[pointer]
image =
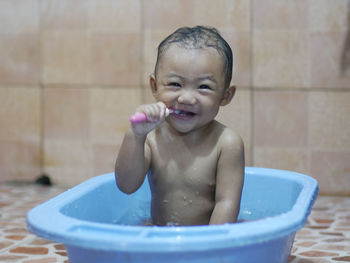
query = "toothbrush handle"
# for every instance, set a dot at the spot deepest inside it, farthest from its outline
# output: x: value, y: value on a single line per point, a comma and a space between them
x: 141, y: 117
x: 138, y: 118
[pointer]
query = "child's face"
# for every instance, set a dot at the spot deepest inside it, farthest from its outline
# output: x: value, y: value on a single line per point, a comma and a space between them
x: 192, y: 81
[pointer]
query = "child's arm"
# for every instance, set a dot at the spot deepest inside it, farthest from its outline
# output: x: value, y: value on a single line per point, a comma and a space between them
x: 229, y: 180
x: 134, y: 156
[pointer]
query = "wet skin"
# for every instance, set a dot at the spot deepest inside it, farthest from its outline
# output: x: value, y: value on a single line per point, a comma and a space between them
x: 196, y: 163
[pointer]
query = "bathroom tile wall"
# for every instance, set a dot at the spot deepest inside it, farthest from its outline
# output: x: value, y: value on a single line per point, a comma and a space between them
x: 71, y: 72
x: 301, y: 89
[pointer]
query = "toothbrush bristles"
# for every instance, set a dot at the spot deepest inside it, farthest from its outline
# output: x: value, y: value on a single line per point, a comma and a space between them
x: 173, y: 111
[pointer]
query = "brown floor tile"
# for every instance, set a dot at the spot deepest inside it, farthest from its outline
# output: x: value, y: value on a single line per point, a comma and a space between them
x: 16, y: 230
x: 30, y: 250
x: 60, y: 247
x: 291, y: 258
x: 40, y: 241
x: 313, y: 260
x: 4, y: 204
x: 343, y: 259
x: 10, y: 258
x: 306, y: 244
x: 332, y: 233
x: 5, y: 244
x: 62, y: 253
x: 333, y: 247
x: 43, y: 260
x: 15, y: 237
x: 324, y: 221
x: 318, y: 253
x: 335, y: 240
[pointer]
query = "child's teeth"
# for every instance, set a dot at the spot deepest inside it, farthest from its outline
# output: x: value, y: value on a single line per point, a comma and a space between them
x: 177, y: 111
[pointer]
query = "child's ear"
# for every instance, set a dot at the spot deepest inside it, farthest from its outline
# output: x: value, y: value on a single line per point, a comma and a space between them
x: 228, y: 95
x: 153, y: 85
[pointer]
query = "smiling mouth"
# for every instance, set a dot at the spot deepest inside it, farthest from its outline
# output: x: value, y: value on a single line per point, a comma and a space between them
x: 183, y: 114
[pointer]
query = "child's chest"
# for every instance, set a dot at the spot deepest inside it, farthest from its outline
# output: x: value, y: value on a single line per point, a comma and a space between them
x: 184, y: 166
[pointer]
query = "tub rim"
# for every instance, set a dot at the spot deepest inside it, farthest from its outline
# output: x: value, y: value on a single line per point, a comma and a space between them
x: 111, y: 237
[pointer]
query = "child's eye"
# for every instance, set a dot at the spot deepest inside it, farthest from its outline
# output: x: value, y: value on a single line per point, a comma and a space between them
x: 205, y: 87
x: 174, y: 84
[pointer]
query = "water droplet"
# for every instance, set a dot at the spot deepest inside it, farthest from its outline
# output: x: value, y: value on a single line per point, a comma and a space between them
x: 185, y: 198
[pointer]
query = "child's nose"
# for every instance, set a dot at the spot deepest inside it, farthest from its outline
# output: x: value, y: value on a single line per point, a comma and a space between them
x: 187, y: 97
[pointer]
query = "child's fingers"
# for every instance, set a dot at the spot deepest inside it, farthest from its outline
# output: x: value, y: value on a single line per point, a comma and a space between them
x: 154, y: 112
x: 149, y: 111
x: 162, y: 109
x: 155, y: 115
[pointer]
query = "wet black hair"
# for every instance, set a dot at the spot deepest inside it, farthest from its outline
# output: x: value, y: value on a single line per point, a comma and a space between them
x: 199, y: 37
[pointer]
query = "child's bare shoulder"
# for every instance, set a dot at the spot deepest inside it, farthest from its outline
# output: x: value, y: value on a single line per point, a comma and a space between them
x: 229, y: 139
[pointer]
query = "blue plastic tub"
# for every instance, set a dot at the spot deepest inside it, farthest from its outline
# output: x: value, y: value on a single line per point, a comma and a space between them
x: 98, y: 223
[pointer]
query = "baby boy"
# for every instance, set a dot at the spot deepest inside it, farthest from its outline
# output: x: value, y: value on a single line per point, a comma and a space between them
x: 195, y: 163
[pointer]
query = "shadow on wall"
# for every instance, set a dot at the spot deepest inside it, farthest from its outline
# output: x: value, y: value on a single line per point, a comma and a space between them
x: 345, y: 57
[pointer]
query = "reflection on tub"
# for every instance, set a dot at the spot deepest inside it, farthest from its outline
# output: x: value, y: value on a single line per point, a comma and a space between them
x: 98, y: 223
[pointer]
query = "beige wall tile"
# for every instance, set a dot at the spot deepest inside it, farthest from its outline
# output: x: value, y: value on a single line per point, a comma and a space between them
x: 104, y: 157
x: 329, y: 120
x: 20, y: 59
x: 281, y: 15
x: 94, y: 58
x: 151, y: 40
x: 19, y: 160
x: 240, y: 43
x: 286, y: 158
x: 66, y: 113
x: 329, y: 15
x: 237, y: 116
x: 332, y: 170
x: 326, y: 60
x: 280, y: 118
x: 64, y: 14
x: 168, y: 15
x: 19, y: 16
x: 115, y: 58
x: 223, y: 14
x: 20, y: 114
x: 110, y: 112
x: 147, y: 94
x: 65, y: 57
x: 115, y: 16
x: 67, y: 162
x: 281, y: 59
x: 19, y: 42
x: 20, y: 120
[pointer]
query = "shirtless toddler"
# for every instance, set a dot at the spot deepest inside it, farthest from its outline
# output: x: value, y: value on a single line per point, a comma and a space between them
x: 196, y: 164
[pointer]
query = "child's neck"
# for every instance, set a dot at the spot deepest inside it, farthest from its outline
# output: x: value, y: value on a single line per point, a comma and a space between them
x: 193, y: 136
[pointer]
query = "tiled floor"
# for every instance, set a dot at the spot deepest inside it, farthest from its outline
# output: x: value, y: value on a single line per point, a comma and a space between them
x: 325, y: 238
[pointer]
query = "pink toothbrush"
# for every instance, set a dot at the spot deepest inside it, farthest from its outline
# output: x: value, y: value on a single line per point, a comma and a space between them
x: 141, y: 117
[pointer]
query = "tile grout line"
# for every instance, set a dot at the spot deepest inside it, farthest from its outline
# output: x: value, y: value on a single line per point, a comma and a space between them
x: 141, y: 55
x: 319, y: 245
x: 252, y: 95
x: 41, y: 94
x: 27, y: 239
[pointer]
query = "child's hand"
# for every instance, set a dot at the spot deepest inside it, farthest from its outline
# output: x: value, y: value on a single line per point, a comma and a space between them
x: 155, y: 116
